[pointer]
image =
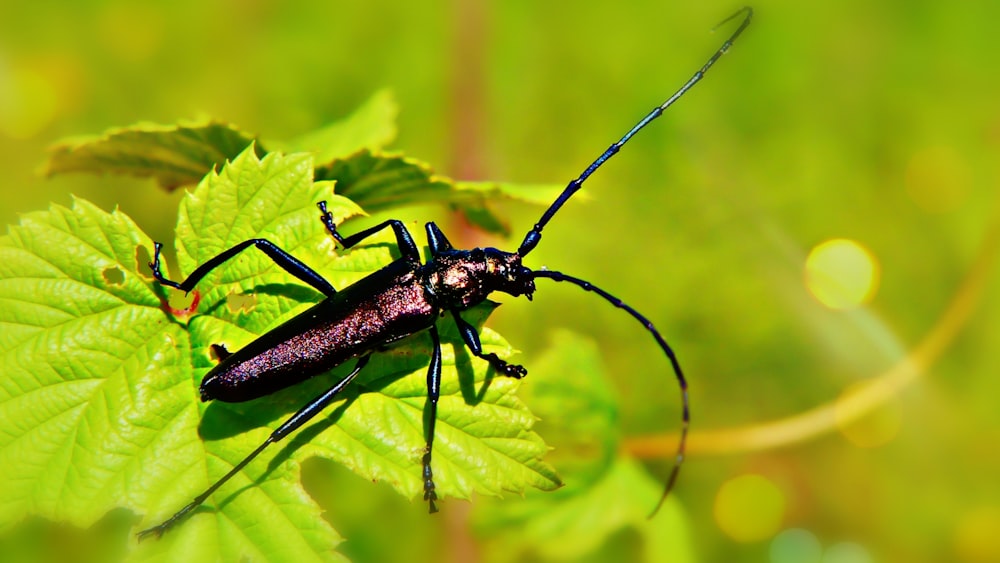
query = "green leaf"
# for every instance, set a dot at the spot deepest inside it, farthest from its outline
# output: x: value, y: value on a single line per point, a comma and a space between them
x: 240, y: 203
x: 589, y: 526
x: 99, y: 403
x: 86, y: 362
x: 606, y: 493
x: 371, y: 126
x: 378, y: 181
x: 578, y: 408
x: 174, y: 155
x: 180, y: 155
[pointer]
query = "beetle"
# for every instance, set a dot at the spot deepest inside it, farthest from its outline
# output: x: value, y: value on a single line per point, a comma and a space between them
x: 403, y: 298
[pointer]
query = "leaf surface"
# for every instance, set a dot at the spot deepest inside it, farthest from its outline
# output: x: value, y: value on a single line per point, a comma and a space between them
x: 378, y: 181
x: 606, y: 492
x: 99, y: 399
x: 173, y: 155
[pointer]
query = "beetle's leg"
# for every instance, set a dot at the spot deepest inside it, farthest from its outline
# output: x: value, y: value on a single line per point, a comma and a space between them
x: 297, y: 420
x: 287, y: 262
x: 430, y: 416
x: 471, y: 338
x: 221, y: 352
x: 404, y: 241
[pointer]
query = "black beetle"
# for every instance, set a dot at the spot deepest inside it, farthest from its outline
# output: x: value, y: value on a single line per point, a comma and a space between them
x: 402, y: 298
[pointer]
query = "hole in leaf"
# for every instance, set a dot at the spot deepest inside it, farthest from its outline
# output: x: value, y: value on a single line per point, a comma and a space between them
x: 114, y: 275
x: 238, y: 302
x: 180, y: 305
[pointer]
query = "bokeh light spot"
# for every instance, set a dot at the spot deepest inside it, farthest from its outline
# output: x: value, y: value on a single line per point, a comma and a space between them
x: 749, y: 508
x: 977, y: 535
x: 937, y: 179
x: 796, y: 545
x: 841, y: 273
x: 873, y: 429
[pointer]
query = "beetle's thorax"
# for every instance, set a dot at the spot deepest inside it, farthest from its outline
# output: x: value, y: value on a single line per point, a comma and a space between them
x: 459, y: 279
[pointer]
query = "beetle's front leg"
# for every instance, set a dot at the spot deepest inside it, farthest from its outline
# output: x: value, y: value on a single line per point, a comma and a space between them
x: 471, y: 338
x: 283, y: 259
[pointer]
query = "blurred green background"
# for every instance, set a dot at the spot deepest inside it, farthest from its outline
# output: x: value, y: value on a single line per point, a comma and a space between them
x: 873, y: 122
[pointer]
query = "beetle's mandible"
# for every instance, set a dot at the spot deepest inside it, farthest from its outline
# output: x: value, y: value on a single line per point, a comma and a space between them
x: 404, y: 297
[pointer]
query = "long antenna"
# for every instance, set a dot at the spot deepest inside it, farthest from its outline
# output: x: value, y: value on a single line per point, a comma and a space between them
x: 681, y: 381
x: 535, y: 234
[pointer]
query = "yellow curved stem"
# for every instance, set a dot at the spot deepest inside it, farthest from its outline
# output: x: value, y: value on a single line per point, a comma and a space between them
x: 852, y: 406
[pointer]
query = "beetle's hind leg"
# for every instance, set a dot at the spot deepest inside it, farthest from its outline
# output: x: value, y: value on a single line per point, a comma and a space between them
x: 430, y: 417
x: 305, y: 414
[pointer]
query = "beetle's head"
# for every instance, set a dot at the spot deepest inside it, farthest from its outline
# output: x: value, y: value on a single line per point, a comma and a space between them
x: 460, y: 279
x: 506, y: 274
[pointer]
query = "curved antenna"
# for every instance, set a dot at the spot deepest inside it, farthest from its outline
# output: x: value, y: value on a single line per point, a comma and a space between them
x: 681, y: 381
x: 535, y: 234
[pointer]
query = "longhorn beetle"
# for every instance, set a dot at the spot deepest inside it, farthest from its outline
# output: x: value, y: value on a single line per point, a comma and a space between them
x: 401, y: 299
